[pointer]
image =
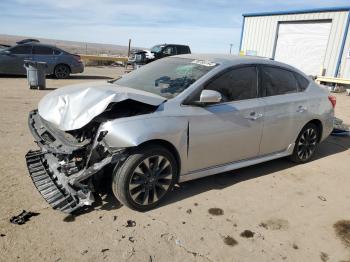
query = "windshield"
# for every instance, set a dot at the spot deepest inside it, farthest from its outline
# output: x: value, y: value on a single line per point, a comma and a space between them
x: 157, y: 48
x: 166, y: 77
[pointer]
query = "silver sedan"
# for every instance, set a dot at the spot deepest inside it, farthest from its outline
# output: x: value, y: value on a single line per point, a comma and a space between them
x: 173, y: 120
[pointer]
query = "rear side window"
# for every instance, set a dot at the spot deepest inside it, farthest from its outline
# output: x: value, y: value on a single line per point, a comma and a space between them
x: 57, y: 52
x: 236, y: 84
x: 182, y: 49
x: 303, y: 83
x: 42, y: 50
x: 277, y: 81
x: 21, y: 50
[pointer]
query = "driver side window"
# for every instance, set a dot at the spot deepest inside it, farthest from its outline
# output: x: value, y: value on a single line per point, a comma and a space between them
x: 236, y: 84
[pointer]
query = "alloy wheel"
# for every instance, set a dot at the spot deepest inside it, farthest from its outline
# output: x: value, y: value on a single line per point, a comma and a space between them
x: 307, y: 144
x: 150, y: 180
x: 62, y: 72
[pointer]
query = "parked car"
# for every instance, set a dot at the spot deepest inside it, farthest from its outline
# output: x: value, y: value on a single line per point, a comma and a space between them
x: 173, y: 120
x: 60, y: 63
x: 140, y: 57
x: 148, y: 54
x: 165, y: 50
x: 143, y: 56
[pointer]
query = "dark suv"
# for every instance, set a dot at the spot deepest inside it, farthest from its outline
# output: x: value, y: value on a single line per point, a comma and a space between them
x: 59, y: 63
x: 164, y: 50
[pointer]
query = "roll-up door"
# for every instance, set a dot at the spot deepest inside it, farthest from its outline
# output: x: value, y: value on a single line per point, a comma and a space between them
x: 303, y: 44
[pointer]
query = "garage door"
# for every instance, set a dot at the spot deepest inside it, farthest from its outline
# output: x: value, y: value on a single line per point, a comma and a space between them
x: 303, y: 45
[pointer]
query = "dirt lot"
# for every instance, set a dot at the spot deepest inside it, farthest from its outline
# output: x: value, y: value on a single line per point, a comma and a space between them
x: 294, y: 212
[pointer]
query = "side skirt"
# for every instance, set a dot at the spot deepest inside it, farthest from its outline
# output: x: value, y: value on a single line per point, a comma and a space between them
x: 235, y: 165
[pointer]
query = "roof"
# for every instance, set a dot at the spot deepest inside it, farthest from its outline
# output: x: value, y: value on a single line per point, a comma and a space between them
x: 232, y: 60
x: 221, y: 58
x: 37, y: 44
x: 166, y: 44
x: 227, y: 60
x: 300, y: 11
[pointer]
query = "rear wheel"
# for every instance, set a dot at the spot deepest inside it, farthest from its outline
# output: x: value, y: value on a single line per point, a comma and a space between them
x: 306, y: 143
x: 62, y: 71
x: 145, y: 178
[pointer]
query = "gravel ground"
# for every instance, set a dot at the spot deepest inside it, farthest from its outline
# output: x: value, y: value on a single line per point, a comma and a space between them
x: 271, y: 211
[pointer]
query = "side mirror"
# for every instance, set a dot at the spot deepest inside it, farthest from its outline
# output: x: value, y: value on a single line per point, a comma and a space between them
x: 210, y: 97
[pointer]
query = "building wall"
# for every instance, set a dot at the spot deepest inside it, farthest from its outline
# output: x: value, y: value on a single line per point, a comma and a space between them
x: 260, y: 35
x: 345, y: 62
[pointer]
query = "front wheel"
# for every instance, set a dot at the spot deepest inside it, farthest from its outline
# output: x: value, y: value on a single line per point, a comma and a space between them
x: 145, y: 178
x: 306, y: 143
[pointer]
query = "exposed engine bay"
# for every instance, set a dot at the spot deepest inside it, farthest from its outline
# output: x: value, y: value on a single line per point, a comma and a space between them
x: 64, y: 168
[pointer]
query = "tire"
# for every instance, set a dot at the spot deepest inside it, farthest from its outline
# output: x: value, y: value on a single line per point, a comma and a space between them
x: 137, y: 185
x: 306, y: 144
x: 62, y: 71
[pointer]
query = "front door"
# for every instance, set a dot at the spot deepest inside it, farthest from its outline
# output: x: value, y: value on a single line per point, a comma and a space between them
x: 13, y: 62
x: 169, y: 51
x: 229, y: 131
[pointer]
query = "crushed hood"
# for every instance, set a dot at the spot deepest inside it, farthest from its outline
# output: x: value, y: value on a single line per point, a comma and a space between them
x: 72, y: 107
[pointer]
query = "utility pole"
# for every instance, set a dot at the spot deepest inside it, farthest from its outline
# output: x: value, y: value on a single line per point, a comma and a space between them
x: 129, y: 47
x: 231, y: 48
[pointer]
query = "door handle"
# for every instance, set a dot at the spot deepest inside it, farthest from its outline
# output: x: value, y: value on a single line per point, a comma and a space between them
x: 301, y: 109
x: 254, y: 116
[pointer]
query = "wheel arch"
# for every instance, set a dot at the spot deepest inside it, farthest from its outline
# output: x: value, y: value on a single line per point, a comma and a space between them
x: 169, y: 146
x: 319, y: 125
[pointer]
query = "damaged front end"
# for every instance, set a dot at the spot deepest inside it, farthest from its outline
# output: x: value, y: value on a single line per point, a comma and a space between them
x: 61, y: 169
x: 68, y: 129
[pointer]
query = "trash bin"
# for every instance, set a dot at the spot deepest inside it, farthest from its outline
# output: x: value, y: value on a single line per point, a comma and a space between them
x: 36, y: 74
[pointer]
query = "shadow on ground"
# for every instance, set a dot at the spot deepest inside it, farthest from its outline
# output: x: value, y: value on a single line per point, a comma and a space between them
x: 331, y: 146
x: 12, y: 76
x: 71, y: 77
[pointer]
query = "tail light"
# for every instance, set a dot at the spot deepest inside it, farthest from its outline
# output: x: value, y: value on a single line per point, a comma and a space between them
x: 78, y: 58
x: 333, y: 100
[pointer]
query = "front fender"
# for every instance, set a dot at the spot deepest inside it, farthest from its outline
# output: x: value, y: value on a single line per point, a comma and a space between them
x: 131, y: 132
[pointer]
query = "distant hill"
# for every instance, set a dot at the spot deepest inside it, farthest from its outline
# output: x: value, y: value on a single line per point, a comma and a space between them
x: 73, y: 47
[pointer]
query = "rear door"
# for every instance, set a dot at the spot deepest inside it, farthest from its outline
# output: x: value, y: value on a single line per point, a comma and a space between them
x: 45, y: 54
x: 285, y: 108
x: 229, y: 131
x: 13, y: 62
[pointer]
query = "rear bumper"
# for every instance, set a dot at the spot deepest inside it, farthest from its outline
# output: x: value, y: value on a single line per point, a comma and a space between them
x: 77, y: 68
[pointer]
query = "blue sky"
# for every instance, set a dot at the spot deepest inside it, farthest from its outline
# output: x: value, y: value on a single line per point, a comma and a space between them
x: 208, y: 26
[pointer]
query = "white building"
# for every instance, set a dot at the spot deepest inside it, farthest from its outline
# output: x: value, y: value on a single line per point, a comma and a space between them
x: 316, y: 41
